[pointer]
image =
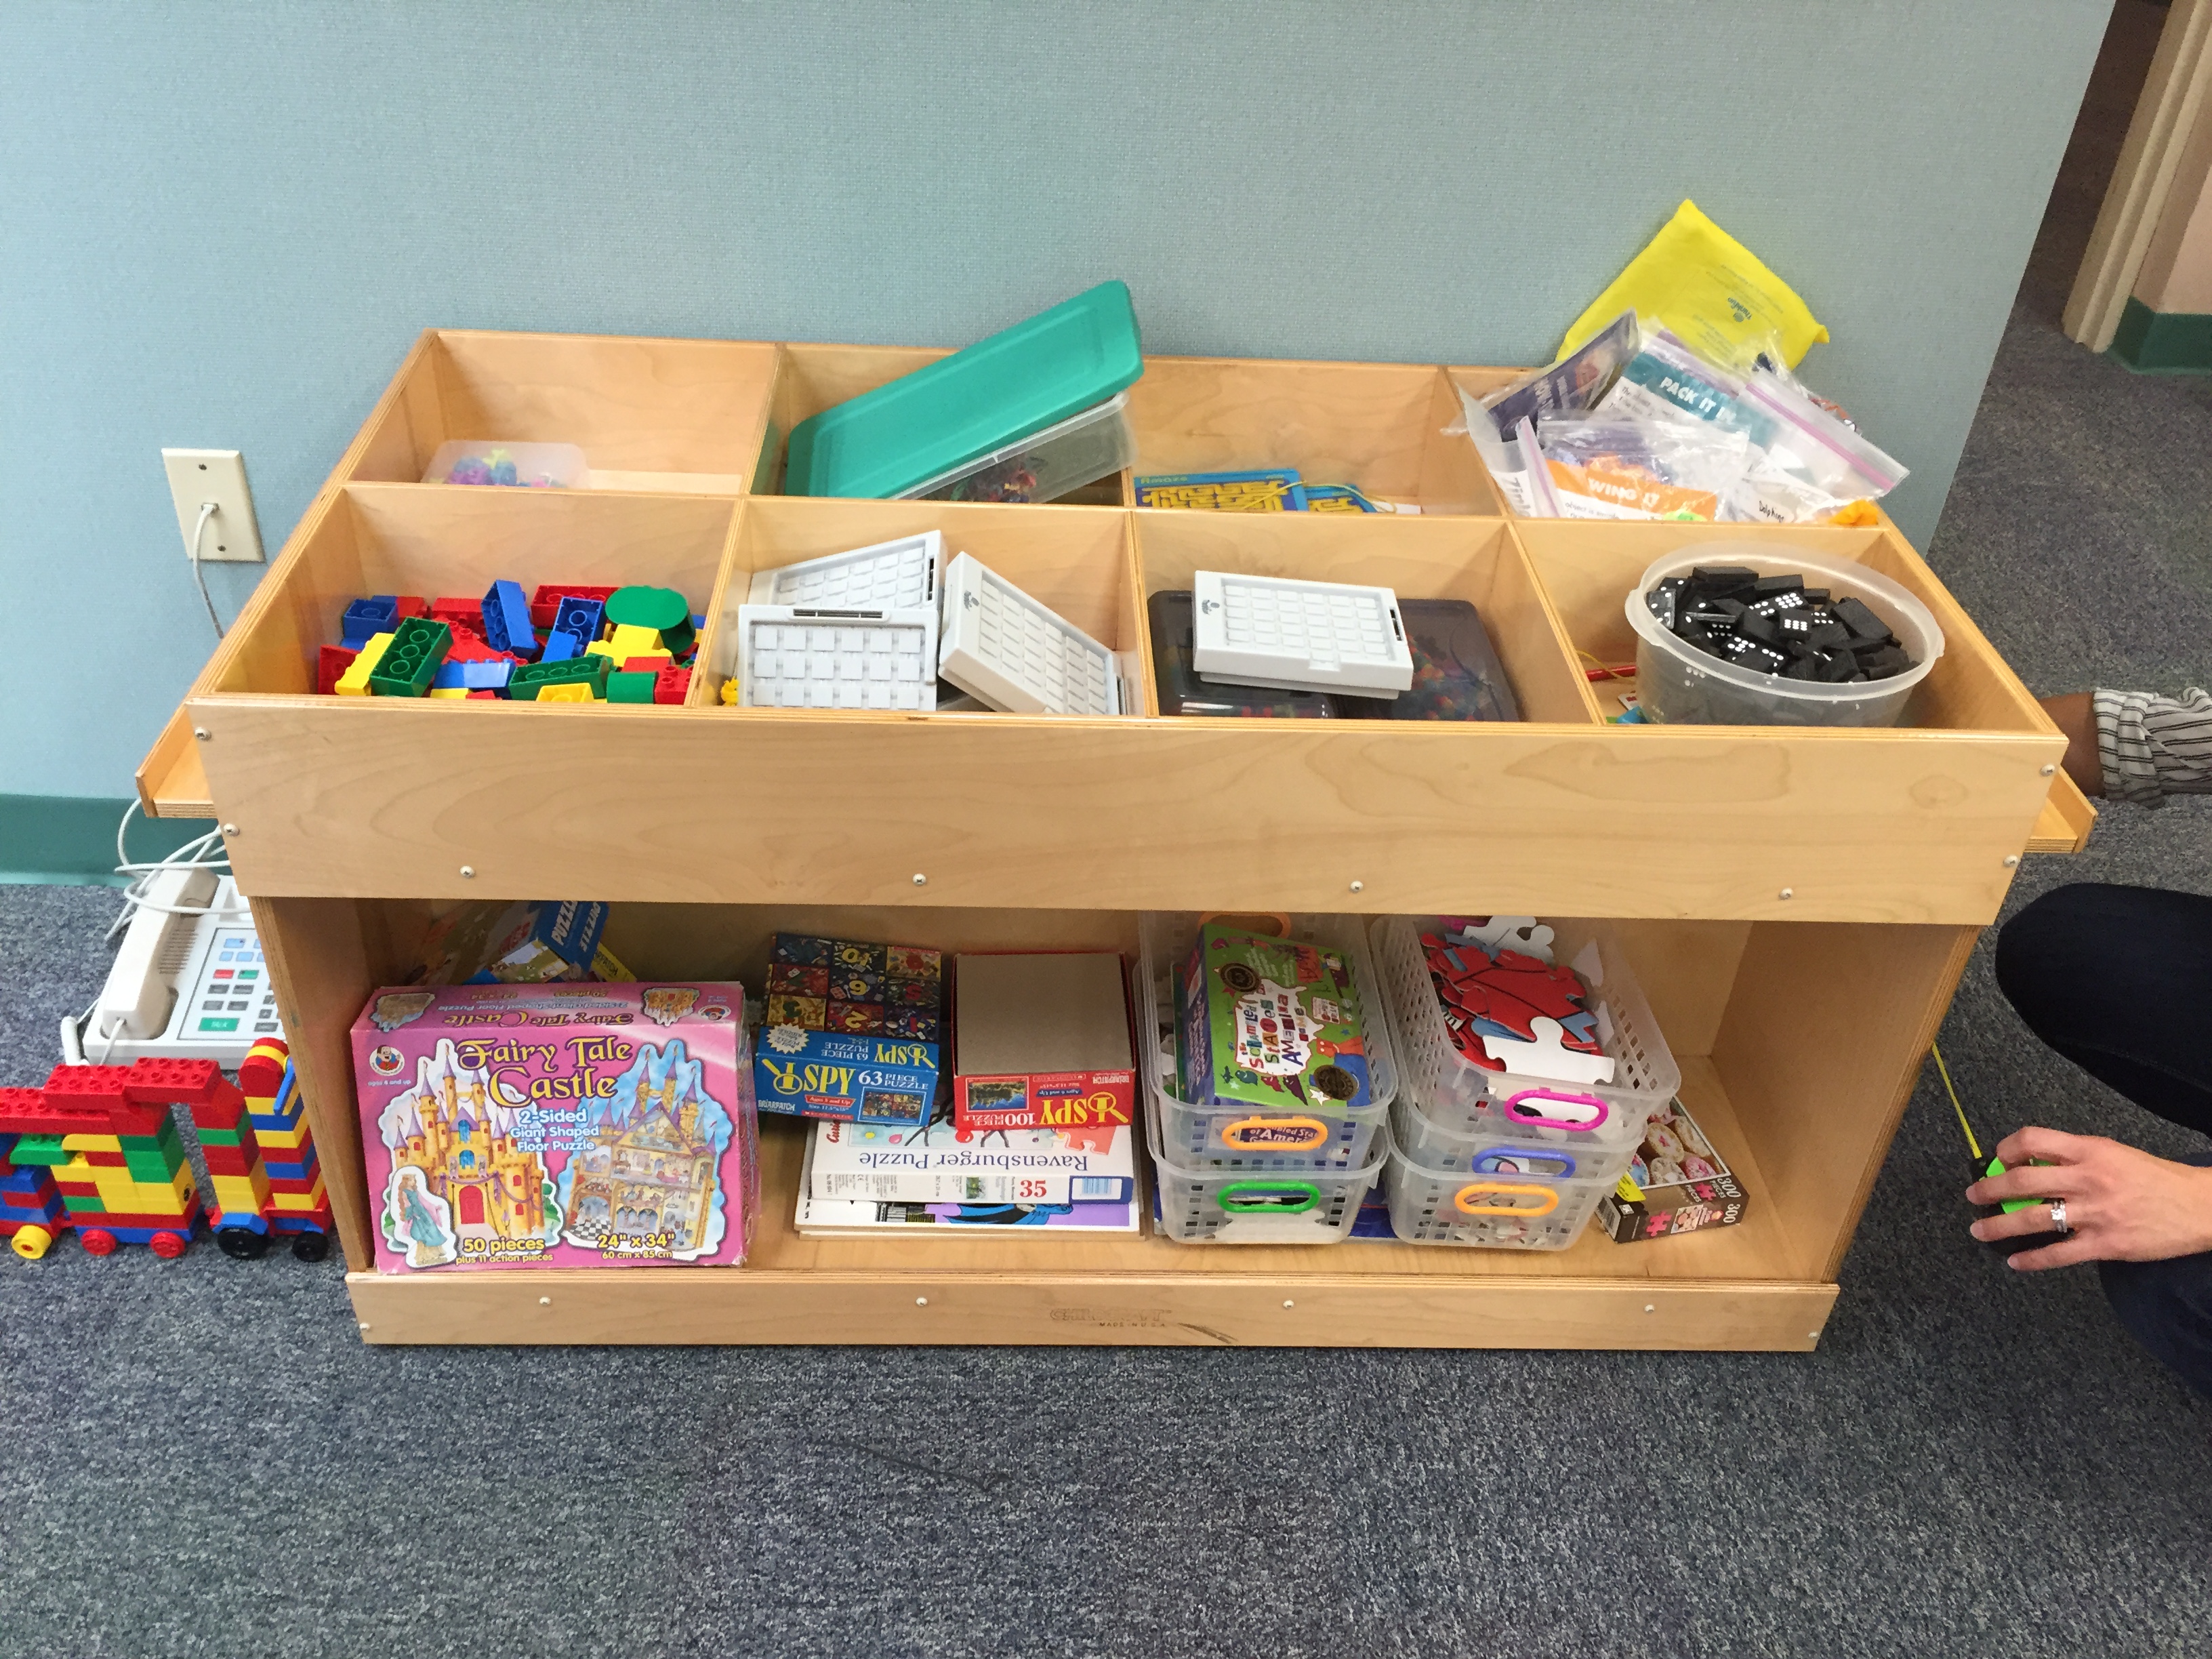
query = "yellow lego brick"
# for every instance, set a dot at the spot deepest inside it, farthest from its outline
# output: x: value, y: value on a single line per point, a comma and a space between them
x: 283, y: 1140
x: 242, y: 1192
x: 91, y: 1144
x: 451, y: 693
x: 354, y: 683
x: 572, y: 692
x: 129, y: 1197
x: 630, y: 641
x: 597, y: 648
x: 731, y: 692
x: 304, y: 1201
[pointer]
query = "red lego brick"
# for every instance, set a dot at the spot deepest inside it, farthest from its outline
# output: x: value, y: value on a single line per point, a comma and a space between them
x: 263, y: 1073
x: 87, y: 1088
x: 459, y: 613
x: 331, y: 661
x: 410, y: 606
x: 671, y: 685
x: 227, y: 1160
x: 186, y: 1082
x: 467, y: 646
x: 474, y: 696
x: 546, y: 601
x: 295, y: 1184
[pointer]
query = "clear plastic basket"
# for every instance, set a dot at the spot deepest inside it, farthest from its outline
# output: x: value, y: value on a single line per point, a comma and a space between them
x: 487, y: 461
x: 1498, y: 1212
x: 1213, y: 1205
x: 1446, y: 1151
x: 1243, y: 1137
x: 1464, y: 1099
x: 1045, y: 465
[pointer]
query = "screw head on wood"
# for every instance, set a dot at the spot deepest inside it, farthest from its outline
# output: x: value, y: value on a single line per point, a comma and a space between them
x: 229, y: 829
x: 545, y: 1300
x: 1651, y: 1307
x: 468, y: 873
x: 1789, y: 892
x: 1287, y: 1303
x: 1359, y: 886
x: 2011, y: 859
x: 921, y: 1301
x: 200, y: 732
x: 2048, y: 770
x: 921, y: 880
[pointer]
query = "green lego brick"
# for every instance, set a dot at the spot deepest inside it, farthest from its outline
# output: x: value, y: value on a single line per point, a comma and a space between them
x: 83, y: 1204
x: 410, y: 661
x: 221, y: 1138
x: 154, y: 1167
x: 45, y: 1150
x: 624, y: 686
x: 529, y: 678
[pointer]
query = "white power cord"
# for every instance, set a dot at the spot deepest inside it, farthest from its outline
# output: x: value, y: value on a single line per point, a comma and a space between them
x: 208, y: 510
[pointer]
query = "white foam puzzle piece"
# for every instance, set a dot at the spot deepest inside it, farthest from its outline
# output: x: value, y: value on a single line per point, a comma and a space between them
x: 1004, y: 649
x: 1548, y: 1057
x: 799, y: 657
x: 1522, y: 933
x: 896, y: 575
x: 1298, y: 635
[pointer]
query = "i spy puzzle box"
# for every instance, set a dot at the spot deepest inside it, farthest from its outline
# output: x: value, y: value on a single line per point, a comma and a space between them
x: 851, y: 1030
x: 557, y: 1126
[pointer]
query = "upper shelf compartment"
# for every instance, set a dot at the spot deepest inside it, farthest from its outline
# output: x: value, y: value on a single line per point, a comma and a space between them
x: 682, y: 416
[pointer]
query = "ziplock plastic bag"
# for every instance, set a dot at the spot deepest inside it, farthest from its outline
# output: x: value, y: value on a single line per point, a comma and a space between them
x: 1573, y: 383
x: 1601, y: 468
x: 1709, y: 288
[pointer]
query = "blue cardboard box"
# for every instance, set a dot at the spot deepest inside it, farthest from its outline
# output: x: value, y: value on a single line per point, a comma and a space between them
x: 861, y: 1078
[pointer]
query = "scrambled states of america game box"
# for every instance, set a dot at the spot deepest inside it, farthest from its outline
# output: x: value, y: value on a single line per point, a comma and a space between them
x: 557, y: 1126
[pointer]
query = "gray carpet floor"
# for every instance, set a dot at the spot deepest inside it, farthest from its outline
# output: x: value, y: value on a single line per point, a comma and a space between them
x: 200, y: 1458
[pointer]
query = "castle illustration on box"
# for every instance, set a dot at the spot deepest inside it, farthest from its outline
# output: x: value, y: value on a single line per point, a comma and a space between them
x: 624, y: 1165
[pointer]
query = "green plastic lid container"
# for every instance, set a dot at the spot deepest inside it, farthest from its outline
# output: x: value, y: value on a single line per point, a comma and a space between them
x: 995, y: 393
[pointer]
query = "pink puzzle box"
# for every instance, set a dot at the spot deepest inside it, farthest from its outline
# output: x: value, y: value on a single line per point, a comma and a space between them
x: 557, y: 1126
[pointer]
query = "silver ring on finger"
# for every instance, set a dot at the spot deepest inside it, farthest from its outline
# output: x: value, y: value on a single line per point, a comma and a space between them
x: 2059, y: 1224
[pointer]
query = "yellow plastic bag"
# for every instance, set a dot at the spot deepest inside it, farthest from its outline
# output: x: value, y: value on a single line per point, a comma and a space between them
x: 1711, y: 290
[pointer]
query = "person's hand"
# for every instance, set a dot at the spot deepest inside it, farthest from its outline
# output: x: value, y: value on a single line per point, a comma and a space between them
x: 2122, y: 1205
x: 2076, y: 714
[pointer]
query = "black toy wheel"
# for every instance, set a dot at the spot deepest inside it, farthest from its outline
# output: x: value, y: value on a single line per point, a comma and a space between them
x: 311, y: 1247
x: 241, y: 1243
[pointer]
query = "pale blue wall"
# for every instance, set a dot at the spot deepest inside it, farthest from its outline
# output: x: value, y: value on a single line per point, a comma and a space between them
x: 221, y: 224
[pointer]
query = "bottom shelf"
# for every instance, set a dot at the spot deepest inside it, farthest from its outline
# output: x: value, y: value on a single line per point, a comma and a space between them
x: 1739, y: 1287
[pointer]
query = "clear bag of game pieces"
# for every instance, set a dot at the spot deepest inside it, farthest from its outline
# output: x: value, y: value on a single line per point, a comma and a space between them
x: 1548, y: 1095
x: 1319, y: 1135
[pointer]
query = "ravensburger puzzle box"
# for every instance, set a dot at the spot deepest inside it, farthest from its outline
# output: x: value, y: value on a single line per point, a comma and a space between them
x: 557, y: 1126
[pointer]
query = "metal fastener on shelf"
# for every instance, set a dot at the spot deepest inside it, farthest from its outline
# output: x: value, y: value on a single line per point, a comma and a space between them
x: 1789, y: 892
x: 468, y: 873
x: 364, y: 1324
x: 1287, y: 1303
x: 2048, y: 770
x: 200, y: 732
x: 545, y: 1300
x: 921, y: 880
x: 229, y: 829
x: 1651, y: 1307
x: 2011, y: 859
x: 1812, y: 1336
x: 1359, y: 886
x: 921, y: 1301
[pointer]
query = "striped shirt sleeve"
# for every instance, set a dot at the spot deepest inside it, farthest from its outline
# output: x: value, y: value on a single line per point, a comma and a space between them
x: 2152, y: 746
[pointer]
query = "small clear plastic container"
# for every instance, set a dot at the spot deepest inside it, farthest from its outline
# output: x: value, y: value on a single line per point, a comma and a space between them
x: 1440, y: 1150
x: 1215, y: 1206
x: 1677, y: 684
x: 1498, y: 1212
x: 532, y: 466
x: 1463, y: 1098
x: 1045, y: 465
x: 1324, y: 1136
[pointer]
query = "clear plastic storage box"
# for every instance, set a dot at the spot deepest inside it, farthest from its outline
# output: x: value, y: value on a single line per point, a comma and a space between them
x: 1447, y: 1151
x: 1045, y: 465
x: 1463, y: 1098
x: 1216, y: 1206
x: 527, y: 466
x: 1502, y: 1211
x: 1324, y: 1136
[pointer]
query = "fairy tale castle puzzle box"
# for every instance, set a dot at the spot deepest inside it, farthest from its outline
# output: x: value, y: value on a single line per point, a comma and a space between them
x: 557, y: 1126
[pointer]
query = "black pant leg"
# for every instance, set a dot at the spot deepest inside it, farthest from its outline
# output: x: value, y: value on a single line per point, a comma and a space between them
x: 2120, y: 980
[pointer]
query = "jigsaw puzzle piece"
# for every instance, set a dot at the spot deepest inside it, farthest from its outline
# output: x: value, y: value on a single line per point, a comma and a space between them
x: 1524, y: 934
x: 1544, y: 1055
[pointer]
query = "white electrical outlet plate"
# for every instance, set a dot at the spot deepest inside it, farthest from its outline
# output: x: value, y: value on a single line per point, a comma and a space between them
x: 200, y: 476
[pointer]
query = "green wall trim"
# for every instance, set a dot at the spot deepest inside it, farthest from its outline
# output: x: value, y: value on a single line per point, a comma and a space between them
x: 2164, y: 342
x: 70, y: 840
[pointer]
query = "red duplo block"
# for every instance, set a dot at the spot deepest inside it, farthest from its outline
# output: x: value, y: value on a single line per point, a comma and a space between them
x: 545, y: 603
x: 477, y: 696
x: 187, y: 1082
x: 227, y: 1160
x: 411, y: 605
x: 459, y: 613
x: 671, y: 684
x: 468, y: 648
x: 263, y: 1073
x: 86, y: 1088
x: 330, y: 662
x: 294, y: 1183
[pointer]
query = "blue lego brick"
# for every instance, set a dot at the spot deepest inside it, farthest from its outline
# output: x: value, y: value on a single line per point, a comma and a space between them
x: 291, y: 1221
x: 134, y: 1235
x: 560, y: 646
x: 251, y: 1220
x: 300, y: 1171
x: 698, y: 623
x: 366, y: 618
x: 474, y: 676
x: 581, y: 619
x: 506, y: 620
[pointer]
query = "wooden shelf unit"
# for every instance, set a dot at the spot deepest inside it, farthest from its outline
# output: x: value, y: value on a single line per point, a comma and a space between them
x: 1799, y: 903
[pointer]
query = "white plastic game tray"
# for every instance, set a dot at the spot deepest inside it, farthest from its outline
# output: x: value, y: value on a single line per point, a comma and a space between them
x: 900, y: 575
x: 1298, y: 635
x: 810, y: 657
x: 1004, y: 649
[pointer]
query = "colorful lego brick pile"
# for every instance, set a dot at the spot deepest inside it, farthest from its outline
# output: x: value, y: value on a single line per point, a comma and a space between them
x: 568, y: 642
x: 297, y: 1204
x: 1497, y: 992
x: 863, y: 990
x: 105, y: 1135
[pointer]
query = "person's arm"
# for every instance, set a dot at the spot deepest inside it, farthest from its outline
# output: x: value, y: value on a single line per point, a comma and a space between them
x: 2137, y: 745
x: 2122, y: 1205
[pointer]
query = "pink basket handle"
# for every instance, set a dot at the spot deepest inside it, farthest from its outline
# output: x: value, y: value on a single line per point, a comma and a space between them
x: 1515, y: 1112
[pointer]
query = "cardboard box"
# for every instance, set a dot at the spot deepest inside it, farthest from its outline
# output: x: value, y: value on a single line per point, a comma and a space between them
x: 1266, y: 1022
x: 851, y: 1030
x: 556, y: 1125
x: 1041, y: 1040
x: 1678, y: 1184
x: 939, y: 1163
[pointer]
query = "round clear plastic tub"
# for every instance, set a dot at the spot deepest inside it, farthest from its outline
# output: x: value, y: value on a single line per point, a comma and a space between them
x: 1498, y: 1212
x: 1463, y: 1098
x: 486, y: 461
x: 1428, y: 1145
x: 1214, y: 1205
x: 1325, y: 1136
x: 1676, y: 683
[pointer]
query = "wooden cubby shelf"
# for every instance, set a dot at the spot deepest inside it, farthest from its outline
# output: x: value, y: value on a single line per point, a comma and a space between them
x: 1799, y: 903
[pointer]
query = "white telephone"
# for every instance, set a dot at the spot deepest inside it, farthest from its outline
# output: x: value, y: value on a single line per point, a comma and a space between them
x: 187, y: 986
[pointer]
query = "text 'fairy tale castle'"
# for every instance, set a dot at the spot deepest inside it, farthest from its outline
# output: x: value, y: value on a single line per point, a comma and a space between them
x: 649, y: 1167
x: 462, y: 1141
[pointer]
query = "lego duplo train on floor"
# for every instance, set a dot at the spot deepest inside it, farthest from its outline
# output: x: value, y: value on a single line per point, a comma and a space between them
x: 563, y: 1125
